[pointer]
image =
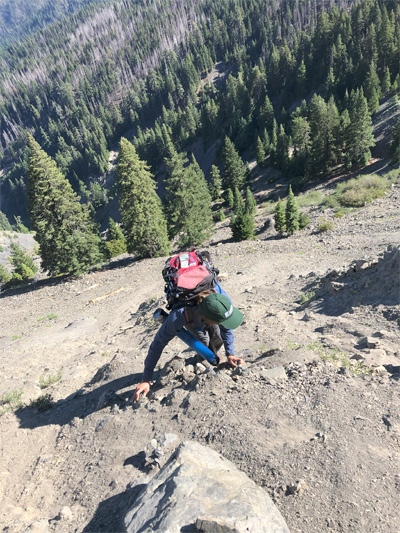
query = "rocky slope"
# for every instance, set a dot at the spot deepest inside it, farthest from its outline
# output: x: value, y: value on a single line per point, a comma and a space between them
x: 314, y: 418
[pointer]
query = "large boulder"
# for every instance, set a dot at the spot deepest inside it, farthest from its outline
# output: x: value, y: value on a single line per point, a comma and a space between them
x: 199, y: 490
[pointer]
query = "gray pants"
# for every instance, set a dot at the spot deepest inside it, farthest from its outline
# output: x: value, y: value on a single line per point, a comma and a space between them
x: 210, y: 336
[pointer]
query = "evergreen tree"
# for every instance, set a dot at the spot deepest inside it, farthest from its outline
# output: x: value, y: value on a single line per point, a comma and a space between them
x: 250, y: 203
x: 280, y: 217
x: 67, y: 237
x: 359, y: 136
x: 386, y: 85
x: 229, y: 198
x: 215, y: 183
x: 189, y: 201
x: 140, y: 206
x: 237, y: 201
x: 260, y: 152
x: 291, y: 213
x: 319, y: 160
x: 5, y: 276
x: 272, y: 143
x: 282, y: 150
x: 266, y: 142
x: 24, y: 267
x: 372, y: 89
x: 266, y: 116
x: 394, y: 148
x: 233, y: 170
x: 176, y: 197
x: 301, y: 146
x: 4, y: 223
x: 198, y: 218
x: 116, y: 242
x: 242, y: 226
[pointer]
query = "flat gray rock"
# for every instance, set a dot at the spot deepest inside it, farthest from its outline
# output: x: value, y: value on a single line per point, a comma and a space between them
x: 198, y: 486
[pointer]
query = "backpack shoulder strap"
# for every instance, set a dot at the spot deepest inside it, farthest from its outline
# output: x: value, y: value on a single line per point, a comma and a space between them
x: 189, y: 314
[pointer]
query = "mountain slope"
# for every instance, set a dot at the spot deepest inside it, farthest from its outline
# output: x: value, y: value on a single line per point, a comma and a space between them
x: 320, y: 434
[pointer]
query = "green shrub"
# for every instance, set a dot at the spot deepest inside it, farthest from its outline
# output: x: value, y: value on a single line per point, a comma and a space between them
x: 42, y: 403
x: 24, y: 267
x: 4, y: 223
x: 46, y: 381
x: 219, y: 216
x: 361, y: 191
x: 304, y: 298
x: 339, y: 214
x: 5, y: 276
x: 1, y: 248
x: 325, y: 226
x: 304, y: 221
x: 310, y: 199
x: 10, y: 400
x: 115, y: 248
x: 19, y: 226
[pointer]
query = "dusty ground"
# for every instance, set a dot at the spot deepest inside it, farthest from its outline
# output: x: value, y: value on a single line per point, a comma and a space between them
x: 321, y: 433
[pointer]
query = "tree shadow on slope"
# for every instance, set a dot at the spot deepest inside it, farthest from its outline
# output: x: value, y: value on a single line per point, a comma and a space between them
x: 81, y: 404
x: 362, y: 284
x: 35, y: 285
x: 110, y: 513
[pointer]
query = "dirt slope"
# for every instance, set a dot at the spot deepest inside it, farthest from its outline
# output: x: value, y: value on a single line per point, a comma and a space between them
x: 317, y: 429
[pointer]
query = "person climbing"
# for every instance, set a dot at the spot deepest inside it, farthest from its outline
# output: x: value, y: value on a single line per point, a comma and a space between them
x: 212, y: 321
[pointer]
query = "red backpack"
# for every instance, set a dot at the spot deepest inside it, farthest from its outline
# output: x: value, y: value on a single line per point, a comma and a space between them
x: 186, y: 275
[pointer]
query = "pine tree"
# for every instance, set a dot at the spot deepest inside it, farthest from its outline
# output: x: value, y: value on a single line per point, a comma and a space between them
x: 67, y: 237
x: 5, y: 276
x: 233, y: 170
x: 280, y: 217
x: 359, y: 136
x: 4, y: 222
x: 242, y: 226
x: 189, y: 201
x: 140, y: 206
x: 319, y: 159
x: 386, y: 85
x: 282, y: 150
x: 250, y: 203
x: 260, y: 152
x: 291, y: 213
x: 215, y: 183
x: 176, y: 198
x: 198, y: 218
x: 372, y: 89
x: 116, y: 242
x: 394, y: 148
x: 237, y: 201
x: 229, y: 198
x: 24, y: 267
x: 301, y: 146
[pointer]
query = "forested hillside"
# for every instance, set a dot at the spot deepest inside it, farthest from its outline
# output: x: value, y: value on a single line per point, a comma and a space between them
x: 20, y: 17
x: 302, y: 81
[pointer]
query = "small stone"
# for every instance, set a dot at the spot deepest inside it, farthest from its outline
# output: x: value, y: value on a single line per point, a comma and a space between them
x: 357, y: 357
x: 200, y: 368
x: 65, y: 514
x: 277, y: 372
x: 299, y: 487
x: 369, y: 342
x: 240, y: 370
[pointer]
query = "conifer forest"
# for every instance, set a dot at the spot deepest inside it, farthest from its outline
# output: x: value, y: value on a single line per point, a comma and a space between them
x: 293, y: 84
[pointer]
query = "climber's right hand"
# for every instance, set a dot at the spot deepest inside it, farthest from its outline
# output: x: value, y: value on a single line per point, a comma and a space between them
x: 142, y: 388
